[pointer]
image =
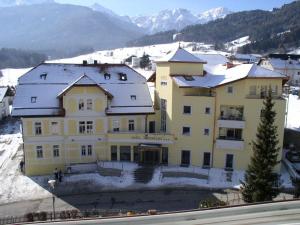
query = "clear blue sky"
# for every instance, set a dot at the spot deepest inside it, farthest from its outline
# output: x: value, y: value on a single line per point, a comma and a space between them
x: 147, y: 7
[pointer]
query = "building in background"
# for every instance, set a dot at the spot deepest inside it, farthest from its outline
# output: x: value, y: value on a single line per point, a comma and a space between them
x: 286, y: 64
x: 6, y: 95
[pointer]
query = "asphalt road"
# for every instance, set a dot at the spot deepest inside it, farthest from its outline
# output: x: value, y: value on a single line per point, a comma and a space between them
x: 139, y: 200
x: 272, y: 213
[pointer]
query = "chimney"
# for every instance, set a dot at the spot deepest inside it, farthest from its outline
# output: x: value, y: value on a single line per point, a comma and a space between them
x: 84, y: 62
x: 95, y: 62
x: 229, y: 65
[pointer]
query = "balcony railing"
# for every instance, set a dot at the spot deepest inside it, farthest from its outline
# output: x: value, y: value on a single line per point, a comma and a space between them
x: 230, y: 138
x: 232, y: 117
x: 262, y: 96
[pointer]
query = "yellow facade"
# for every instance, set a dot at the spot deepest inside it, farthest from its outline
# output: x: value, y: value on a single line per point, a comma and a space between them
x: 72, y: 135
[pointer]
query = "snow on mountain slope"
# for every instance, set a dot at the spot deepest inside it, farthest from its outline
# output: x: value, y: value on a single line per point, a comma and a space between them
x: 213, y: 14
x: 177, y: 19
x: 235, y: 44
x: 10, y: 76
x: 6, y: 3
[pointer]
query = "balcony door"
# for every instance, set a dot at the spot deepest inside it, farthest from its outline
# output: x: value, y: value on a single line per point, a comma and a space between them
x: 152, y: 127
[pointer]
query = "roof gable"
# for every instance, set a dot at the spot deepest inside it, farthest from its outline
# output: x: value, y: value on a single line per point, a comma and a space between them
x: 181, y: 55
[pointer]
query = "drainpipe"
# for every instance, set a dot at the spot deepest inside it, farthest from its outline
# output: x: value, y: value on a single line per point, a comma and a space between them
x: 214, y: 131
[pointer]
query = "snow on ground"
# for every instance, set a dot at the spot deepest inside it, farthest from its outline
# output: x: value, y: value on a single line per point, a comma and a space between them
x: 235, y: 44
x: 293, y: 118
x: 10, y: 76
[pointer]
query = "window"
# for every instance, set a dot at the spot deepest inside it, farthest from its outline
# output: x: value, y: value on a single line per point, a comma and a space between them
x: 131, y: 125
x: 122, y: 76
x: 163, y: 108
x: 38, y: 128
x: 89, y: 104
x: 90, y: 149
x: 151, y: 126
x: 185, y: 158
x: 164, y: 155
x: 187, y: 109
x: 89, y: 127
x: 163, y: 83
x: 206, y: 159
x: 81, y: 105
x: 114, y: 153
x: 55, y: 151
x: 125, y: 154
x: 116, y: 126
x: 39, y: 152
x: 188, y: 78
x: 206, y: 131
x: 186, y: 130
x: 230, y: 89
x: 33, y: 99
x: 252, y: 90
x: 229, y: 161
x: 106, y: 76
x: 207, y: 110
x: 81, y: 127
x: 83, y: 150
x: 133, y: 97
x: 298, y: 72
x: 54, y: 128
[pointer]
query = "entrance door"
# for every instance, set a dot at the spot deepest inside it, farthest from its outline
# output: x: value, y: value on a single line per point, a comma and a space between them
x: 152, y: 127
x: 185, y: 158
x: 150, y: 157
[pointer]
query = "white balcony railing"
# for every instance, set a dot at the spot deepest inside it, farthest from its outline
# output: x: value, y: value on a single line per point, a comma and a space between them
x: 230, y: 144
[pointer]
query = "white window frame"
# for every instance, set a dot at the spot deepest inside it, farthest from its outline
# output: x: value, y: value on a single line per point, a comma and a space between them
x: 116, y: 125
x: 89, y: 150
x: 39, y: 152
x: 38, y: 127
x: 228, y: 88
x: 187, y: 134
x: 56, y: 152
x: 89, y: 104
x: 131, y: 125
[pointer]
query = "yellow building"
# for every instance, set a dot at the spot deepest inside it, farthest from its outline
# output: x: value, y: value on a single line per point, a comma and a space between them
x: 76, y: 114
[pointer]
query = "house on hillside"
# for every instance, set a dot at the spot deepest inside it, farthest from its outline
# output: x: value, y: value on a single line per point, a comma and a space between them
x: 104, y: 112
x: 6, y: 95
x: 286, y: 64
x: 244, y: 58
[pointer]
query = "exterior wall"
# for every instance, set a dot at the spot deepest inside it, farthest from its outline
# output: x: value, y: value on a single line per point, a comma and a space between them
x: 252, y: 110
x: 186, y: 68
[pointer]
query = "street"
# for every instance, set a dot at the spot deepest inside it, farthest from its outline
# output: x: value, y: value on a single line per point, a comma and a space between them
x: 272, y: 213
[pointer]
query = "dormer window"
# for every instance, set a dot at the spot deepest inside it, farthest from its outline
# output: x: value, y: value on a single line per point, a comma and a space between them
x: 107, y: 76
x: 133, y: 97
x: 188, y: 78
x: 33, y: 99
x: 43, y: 76
x: 122, y: 76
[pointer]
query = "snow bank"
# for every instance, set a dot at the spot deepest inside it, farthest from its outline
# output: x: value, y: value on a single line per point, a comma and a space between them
x: 293, y: 117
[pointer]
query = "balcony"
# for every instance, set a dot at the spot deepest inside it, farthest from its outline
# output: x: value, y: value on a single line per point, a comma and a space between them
x: 137, y: 137
x: 231, y: 121
x: 229, y: 143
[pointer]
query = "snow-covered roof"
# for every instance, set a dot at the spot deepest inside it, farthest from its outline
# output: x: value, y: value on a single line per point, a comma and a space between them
x: 227, y: 76
x: 284, y: 64
x: 180, y: 55
x: 47, y: 81
x: 212, y: 59
x: 3, y: 91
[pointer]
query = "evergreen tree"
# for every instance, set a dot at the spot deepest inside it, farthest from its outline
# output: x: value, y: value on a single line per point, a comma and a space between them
x: 145, y: 61
x: 260, y: 177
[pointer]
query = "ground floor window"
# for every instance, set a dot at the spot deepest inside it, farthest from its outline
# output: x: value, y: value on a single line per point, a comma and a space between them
x: 206, y: 159
x: 136, y: 155
x: 164, y: 155
x: 114, y: 153
x: 90, y: 150
x: 229, y: 161
x: 125, y: 154
x: 39, y: 152
x: 185, y: 157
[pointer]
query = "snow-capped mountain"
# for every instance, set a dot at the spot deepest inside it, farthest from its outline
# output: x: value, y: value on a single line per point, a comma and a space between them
x: 213, y: 14
x: 177, y: 19
x: 6, y: 3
